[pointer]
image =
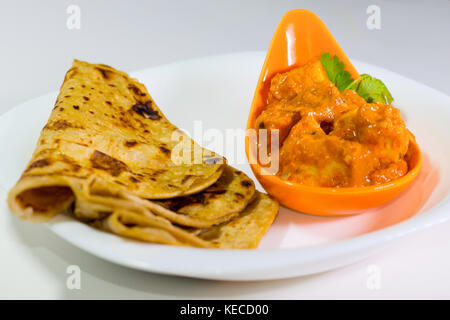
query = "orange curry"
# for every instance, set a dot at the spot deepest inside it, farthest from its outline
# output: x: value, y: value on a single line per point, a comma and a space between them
x: 330, y: 138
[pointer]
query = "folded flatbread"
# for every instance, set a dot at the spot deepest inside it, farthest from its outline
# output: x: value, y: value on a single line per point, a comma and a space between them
x: 106, y: 127
x: 110, y: 156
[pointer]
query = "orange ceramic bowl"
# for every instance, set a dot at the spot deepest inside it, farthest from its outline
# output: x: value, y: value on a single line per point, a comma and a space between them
x: 300, y: 37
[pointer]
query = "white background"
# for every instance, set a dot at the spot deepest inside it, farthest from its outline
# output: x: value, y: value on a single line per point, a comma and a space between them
x: 37, y: 48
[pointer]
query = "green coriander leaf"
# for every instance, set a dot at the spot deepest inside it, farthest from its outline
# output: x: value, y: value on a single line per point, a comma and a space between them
x: 371, y: 89
x: 335, y: 70
x: 343, y: 79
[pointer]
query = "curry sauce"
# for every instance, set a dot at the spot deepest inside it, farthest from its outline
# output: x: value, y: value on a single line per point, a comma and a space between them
x: 330, y: 138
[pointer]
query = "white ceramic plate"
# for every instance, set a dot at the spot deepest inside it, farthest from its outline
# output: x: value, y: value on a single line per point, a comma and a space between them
x: 218, y: 91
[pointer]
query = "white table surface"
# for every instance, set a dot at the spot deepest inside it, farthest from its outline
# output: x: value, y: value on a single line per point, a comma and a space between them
x: 37, y: 47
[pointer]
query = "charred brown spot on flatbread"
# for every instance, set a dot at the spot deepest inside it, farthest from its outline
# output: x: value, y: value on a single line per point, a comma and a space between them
x: 164, y: 150
x: 38, y: 164
x: 146, y: 110
x: 136, y: 90
x: 106, y: 74
x: 61, y: 125
x: 176, y: 204
x: 134, y: 180
x: 246, y: 183
x: 130, y: 143
x: 107, y: 163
